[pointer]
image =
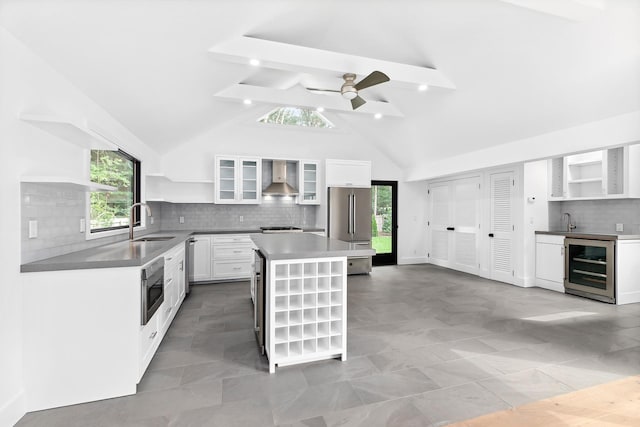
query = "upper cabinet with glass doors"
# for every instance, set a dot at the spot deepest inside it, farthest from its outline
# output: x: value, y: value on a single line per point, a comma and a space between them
x: 309, y: 184
x: 238, y: 180
x: 613, y: 173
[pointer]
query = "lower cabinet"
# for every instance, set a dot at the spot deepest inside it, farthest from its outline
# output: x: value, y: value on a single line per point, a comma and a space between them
x: 222, y: 257
x: 232, y: 256
x: 550, y: 262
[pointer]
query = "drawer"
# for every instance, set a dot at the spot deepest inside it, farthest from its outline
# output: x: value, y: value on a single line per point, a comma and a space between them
x: 550, y: 238
x: 149, y: 334
x: 231, y: 270
x: 232, y: 238
x: 232, y: 251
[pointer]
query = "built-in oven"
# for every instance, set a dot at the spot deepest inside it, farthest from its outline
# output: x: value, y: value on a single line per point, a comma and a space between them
x: 152, y: 288
x: 590, y: 268
x: 258, y: 285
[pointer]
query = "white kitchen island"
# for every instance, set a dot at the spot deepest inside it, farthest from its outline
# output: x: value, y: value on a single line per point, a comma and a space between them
x: 305, y: 296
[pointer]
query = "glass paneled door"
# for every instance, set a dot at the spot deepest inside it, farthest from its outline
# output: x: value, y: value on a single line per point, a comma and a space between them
x: 384, y: 222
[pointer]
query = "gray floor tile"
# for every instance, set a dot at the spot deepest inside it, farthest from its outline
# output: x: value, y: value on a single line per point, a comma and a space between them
x: 459, y: 371
x: 525, y: 387
x: 313, y: 401
x: 458, y: 403
x: 391, y: 385
x: 455, y: 328
x: 396, y: 413
x: 334, y: 370
x: 252, y: 412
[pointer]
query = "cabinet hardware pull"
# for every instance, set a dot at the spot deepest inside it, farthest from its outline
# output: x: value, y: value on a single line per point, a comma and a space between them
x: 153, y: 335
x: 490, y: 234
x: 451, y: 228
x: 169, y: 258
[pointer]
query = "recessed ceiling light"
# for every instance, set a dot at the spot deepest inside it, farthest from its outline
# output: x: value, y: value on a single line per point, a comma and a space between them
x: 423, y: 87
x: 377, y: 116
x: 255, y: 62
x: 320, y: 109
x: 247, y: 102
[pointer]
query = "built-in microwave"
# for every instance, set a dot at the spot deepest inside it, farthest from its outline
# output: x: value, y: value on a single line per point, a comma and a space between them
x: 590, y: 269
x: 152, y: 288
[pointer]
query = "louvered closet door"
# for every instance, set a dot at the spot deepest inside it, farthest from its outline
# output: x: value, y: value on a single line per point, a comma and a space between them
x: 466, y: 197
x: 439, y: 220
x: 501, y: 226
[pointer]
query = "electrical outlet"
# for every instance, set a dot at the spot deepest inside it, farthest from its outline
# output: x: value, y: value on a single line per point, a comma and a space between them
x: 241, y: 218
x: 33, y: 229
x: 619, y: 227
x: 181, y: 219
x: 82, y: 225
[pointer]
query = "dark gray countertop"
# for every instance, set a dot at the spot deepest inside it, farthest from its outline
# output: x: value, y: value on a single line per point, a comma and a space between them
x: 126, y: 253
x: 303, y: 245
x: 592, y: 235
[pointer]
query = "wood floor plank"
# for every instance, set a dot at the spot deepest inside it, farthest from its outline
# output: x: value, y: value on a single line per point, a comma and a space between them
x: 614, y: 404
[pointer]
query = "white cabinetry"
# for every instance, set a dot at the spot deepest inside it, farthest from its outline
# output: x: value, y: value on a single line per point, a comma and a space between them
x: 201, y: 258
x: 309, y: 183
x: 348, y: 173
x: 222, y: 257
x: 550, y: 262
x: 83, y: 338
x: 602, y: 174
x: 174, y: 286
x: 306, y: 312
x: 238, y: 180
x: 232, y: 256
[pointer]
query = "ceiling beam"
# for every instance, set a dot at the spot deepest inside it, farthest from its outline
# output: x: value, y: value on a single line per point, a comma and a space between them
x: 303, y: 98
x: 291, y: 57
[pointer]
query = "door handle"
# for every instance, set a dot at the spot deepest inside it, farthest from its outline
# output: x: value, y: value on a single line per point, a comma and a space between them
x: 451, y: 228
x: 353, y: 217
x: 490, y: 234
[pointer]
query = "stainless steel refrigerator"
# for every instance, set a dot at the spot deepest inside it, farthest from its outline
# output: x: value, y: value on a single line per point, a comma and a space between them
x: 350, y: 220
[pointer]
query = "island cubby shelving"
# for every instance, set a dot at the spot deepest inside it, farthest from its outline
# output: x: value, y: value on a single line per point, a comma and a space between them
x: 307, y: 314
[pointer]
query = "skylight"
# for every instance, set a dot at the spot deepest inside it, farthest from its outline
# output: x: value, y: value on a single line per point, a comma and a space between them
x: 296, y: 116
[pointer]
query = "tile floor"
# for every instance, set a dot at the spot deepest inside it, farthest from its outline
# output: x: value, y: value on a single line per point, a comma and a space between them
x: 427, y: 346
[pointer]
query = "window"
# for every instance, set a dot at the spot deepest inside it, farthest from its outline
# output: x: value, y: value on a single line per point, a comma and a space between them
x: 110, y: 210
x: 297, y: 117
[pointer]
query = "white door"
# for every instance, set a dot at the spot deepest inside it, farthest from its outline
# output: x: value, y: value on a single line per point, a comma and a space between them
x: 439, y: 221
x: 465, y: 198
x: 501, y: 226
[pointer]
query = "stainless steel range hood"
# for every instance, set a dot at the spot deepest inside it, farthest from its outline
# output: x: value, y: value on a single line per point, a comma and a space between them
x: 279, y: 186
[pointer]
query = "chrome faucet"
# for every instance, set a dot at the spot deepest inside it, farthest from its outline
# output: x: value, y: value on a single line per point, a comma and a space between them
x: 132, y: 219
x: 569, y: 225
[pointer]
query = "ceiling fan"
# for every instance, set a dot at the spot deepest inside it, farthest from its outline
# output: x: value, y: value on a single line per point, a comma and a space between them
x: 350, y: 88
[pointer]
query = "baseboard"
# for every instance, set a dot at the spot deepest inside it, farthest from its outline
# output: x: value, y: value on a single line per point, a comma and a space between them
x: 413, y: 260
x: 13, y: 410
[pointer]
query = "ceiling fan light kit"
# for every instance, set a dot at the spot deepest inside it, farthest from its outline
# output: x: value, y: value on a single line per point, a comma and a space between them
x: 350, y: 88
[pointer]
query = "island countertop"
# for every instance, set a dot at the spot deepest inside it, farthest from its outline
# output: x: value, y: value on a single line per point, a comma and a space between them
x: 304, y: 245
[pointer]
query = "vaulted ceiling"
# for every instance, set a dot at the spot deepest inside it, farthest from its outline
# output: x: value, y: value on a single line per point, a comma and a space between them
x: 518, y: 68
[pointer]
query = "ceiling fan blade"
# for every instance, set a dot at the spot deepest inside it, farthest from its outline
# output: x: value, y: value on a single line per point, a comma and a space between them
x: 313, y: 89
x: 372, y: 79
x: 357, y: 102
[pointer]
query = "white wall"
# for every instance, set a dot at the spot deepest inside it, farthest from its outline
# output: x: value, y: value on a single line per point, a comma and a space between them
x: 619, y: 130
x: 536, y: 214
x: 28, y: 83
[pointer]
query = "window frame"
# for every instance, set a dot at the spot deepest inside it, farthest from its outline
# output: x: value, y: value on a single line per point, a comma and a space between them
x: 138, y: 223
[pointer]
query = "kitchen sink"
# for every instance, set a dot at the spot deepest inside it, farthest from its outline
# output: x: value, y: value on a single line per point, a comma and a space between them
x: 154, y: 239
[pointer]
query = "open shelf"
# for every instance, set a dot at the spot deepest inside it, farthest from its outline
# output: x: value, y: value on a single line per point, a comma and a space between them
x: 80, y: 133
x: 308, y: 300
x: 80, y: 184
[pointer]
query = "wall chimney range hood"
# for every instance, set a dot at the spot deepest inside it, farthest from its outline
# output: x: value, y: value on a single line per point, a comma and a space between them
x: 279, y: 186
